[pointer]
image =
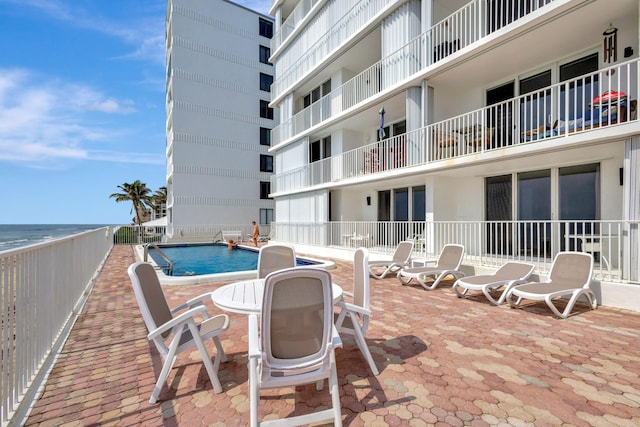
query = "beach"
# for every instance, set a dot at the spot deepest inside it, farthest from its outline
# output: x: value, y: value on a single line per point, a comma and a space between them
x: 18, y: 235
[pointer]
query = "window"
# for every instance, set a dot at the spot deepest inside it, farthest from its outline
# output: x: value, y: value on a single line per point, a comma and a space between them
x: 265, y: 189
x: 266, y: 163
x: 535, y: 108
x: 265, y: 53
x: 401, y: 204
x: 418, y: 206
x: 317, y: 93
x: 265, y: 136
x: 265, y: 82
x: 266, y: 216
x: 579, y: 91
x: 265, y: 28
x: 320, y: 149
x: 265, y: 111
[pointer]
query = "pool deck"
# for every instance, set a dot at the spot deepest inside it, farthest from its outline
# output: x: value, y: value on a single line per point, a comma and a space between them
x: 443, y: 361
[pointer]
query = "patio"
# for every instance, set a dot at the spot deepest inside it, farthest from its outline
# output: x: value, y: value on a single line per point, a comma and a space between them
x: 442, y: 361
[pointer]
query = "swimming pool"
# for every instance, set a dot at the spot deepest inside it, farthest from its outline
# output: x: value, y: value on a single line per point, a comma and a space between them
x: 207, y: 262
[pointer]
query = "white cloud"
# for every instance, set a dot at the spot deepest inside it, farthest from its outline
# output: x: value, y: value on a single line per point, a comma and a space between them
x: 44, y: 121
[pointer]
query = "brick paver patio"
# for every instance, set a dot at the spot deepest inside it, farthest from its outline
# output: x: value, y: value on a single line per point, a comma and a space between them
x: 442, y: 360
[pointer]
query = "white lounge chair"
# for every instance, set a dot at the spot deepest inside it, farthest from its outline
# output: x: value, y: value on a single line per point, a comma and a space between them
x: 275, y: 257
x: 448, y: 263
x: 353, y: 317
x: 505, y: 278
x: 570, y: 277
x: 401, y: 258
x: 174, y: 332
x: 295, y: 342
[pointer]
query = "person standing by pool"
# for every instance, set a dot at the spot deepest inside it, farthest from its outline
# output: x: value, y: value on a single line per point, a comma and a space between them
x: 256, y: 233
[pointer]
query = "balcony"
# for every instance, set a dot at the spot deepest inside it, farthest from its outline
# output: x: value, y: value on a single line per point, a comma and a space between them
x: 351, y: 22
x: 293, y: 21
x: 591, y: 102
x: 463, y: 28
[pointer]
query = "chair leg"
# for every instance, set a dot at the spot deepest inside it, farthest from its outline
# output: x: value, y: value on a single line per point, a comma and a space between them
x: 211, y: 369
x: 254, y: 392
x: 335, y: 391
x: 169, y: 360
x: 362, y: 345
x: 220, y: 351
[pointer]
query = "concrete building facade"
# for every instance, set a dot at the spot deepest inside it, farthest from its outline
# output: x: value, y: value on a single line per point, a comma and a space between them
x: 509, y: 127
x: 218, y: 115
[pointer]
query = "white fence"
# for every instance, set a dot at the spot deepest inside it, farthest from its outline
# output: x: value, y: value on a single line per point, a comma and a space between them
x: 614, y: 244
x: 42, y: 290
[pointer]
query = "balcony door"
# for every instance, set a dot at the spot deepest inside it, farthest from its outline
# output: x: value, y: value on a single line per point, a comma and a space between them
x: 500, y: 113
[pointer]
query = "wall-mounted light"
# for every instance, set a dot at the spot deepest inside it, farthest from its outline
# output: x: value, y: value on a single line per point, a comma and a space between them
x: 368, y: 200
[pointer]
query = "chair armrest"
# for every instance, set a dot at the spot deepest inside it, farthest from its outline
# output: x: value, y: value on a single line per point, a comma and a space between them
x: 193, y: 302
x: 254, y: 344
x: 179, y: 320
x: 356, y: 309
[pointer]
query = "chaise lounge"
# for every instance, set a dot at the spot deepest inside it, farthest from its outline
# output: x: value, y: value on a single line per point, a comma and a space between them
x: 505, y: 278
x: 570, y: 277
x: 448, y: 263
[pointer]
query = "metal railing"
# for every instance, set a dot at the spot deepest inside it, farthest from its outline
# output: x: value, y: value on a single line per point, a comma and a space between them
x: 614, y: 244
x: 593, y: 101
x: 292, y: 22
x: 140, y: 234
x: 462, y: 28
x: 42, y: 289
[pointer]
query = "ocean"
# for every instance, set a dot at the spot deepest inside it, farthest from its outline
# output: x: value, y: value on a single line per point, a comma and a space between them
x: 18, y: 235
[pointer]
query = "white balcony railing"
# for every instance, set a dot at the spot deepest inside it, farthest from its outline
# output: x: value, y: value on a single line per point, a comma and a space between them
x: 458, y: 30
x: 343, y: 29
x: 42, y: 289
x: 292, y: 22
x: 615, y: 245
x: 605, y: 98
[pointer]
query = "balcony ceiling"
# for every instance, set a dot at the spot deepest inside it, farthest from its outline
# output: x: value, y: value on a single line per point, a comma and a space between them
x: 536, y: 45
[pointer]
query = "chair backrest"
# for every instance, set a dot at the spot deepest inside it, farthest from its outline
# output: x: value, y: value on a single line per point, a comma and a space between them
x: 403, y: 251
x: 572, y: 269
x: 150, y: 298
x: 297, y: 319
x: 361, y: 278
x: 514, y: 271
x: 451, y: 257
x: 275, y: 257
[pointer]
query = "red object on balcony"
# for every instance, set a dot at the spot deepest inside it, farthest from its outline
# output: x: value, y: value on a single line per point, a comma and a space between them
x: 610, y: 97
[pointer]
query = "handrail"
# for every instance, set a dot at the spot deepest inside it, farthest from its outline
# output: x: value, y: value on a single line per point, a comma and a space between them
x: 219, y: 233
x: 162, y: 254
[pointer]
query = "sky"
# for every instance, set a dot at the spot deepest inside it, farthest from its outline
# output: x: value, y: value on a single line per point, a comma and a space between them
x: 82, y: 106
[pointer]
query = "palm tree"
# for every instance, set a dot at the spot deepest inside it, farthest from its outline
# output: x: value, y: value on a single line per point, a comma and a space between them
x: 138, y: 194
x: 160, y: 199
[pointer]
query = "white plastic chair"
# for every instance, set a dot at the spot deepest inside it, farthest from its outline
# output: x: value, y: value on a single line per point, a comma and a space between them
x: 448, y: 263
x: 353, y: 317
x: 174, y: 333
x: 295, y: 343
x: 274, y: 257
x: 570, y: 276
x: 401, y: 258
x: 506, y: 277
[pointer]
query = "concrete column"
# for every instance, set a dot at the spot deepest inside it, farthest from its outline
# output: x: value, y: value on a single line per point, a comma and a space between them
x: 631, y: 183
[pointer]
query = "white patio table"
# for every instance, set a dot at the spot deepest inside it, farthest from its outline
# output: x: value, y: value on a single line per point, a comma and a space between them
x: 245, y: 297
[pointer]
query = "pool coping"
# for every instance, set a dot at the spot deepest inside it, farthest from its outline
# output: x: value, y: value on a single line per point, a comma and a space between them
x: 220, y: 277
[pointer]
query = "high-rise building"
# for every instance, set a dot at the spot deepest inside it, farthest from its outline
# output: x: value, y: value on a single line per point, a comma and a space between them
x: 218, y: 116
x: 507, y: 126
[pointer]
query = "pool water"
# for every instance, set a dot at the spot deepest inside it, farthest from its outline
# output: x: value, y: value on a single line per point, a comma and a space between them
x: 193, y: 260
